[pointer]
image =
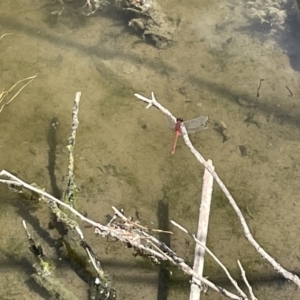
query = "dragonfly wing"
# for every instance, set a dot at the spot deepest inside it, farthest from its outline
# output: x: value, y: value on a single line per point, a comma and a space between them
x: 196, y: 124
x: 170, y: 122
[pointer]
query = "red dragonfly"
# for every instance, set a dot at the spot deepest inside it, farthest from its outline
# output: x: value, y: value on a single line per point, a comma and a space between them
x: 191, y: 126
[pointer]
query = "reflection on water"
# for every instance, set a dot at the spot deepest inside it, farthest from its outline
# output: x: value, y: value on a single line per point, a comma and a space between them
x: 122, y: 150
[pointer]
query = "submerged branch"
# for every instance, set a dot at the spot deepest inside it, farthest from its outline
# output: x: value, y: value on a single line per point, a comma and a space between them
x: 45, y: 272
x: 70, y: 193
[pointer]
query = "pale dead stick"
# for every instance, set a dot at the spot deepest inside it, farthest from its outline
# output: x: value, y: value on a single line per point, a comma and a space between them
x: 246, y: 281
x: 285, y: 273
x: 203, y: 220
x: 5, y: 93
x: 189, y: 270
x: 3, y: 35
x: 233, y: 281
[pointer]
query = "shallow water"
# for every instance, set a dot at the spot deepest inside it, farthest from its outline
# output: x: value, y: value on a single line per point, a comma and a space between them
x: 123, y: 150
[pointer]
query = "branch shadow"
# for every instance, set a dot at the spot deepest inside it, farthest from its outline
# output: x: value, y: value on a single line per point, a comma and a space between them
x: 282, y: 114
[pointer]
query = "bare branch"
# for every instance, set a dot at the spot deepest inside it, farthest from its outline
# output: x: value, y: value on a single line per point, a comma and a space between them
x: 246, y: 281
x: 285, y: 273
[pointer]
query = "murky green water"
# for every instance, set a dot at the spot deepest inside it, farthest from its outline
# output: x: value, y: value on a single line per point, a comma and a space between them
x: 123, y: 150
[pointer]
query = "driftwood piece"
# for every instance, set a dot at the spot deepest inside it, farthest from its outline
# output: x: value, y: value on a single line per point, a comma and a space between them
x: 203, y: 221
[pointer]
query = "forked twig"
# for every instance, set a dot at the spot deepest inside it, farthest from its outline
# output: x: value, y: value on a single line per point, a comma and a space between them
x: 233, y: 281
x: 246, y: 281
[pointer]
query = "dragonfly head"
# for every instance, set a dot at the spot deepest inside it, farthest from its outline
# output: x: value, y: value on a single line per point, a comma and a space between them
x: 179, y: 120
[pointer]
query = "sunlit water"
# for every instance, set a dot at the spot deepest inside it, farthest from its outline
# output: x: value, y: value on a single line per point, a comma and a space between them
x: 123, y: 150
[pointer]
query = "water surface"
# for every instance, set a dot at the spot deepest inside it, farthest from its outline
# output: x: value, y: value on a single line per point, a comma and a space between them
x: 123, y: 150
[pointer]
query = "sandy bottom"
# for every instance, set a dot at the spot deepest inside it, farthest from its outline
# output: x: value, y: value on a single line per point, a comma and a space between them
x: 123, y: 150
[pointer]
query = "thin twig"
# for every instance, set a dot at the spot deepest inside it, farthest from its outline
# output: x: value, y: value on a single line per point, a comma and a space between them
x: 3, y: 35
x: 187, y: 269
x: 233, y: 281
x: 5, y: 93
x: 291, y: 94
x: 258, y: 88
x: 246, y: 281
